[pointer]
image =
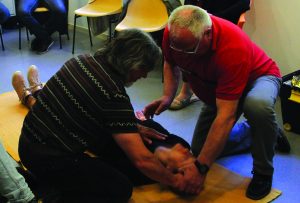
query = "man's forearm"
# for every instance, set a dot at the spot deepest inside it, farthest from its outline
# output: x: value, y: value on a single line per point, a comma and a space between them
x: 171, y: 80
x: 219, y: 131
x: 154, y: 169
x: 143, y: 159
x: 216, y: 140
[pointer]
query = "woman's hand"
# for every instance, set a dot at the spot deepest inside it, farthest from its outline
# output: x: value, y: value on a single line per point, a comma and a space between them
x: 148, y: 134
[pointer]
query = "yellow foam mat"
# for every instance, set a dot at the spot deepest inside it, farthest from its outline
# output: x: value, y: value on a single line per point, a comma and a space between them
x: 221, y: 186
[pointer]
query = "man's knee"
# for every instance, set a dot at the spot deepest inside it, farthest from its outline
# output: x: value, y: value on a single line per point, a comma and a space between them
x: 258, y: 109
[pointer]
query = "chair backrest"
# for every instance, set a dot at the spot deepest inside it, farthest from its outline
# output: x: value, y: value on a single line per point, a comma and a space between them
x: 96, y: 8
x: 147, y: 15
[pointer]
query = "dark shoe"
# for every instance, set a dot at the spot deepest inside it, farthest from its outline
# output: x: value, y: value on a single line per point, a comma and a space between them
x: 34, y: 44
x: 44, y: 46
x: 283, y: 144
x: 259, y: 187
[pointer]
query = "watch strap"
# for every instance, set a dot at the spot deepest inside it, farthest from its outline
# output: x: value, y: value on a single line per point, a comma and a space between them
x: 202, y: 168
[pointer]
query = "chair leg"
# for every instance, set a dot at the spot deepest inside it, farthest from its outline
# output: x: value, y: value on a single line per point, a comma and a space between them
x: 3, y: 49
x: 74, y: 30
x: 60, y: 45
x: 27, y: 34
x: 162, y: 71
x: 88, y: 22
x: 19, y: 36
x: 110, y: 29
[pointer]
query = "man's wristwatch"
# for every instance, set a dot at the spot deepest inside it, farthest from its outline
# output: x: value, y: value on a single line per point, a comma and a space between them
x: 202, y: 168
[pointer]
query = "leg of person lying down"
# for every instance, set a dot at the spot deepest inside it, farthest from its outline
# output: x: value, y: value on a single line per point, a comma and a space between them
x: 238, y: 142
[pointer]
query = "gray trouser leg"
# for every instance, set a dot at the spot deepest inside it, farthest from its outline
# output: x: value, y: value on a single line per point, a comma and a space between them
x: 259, y: 110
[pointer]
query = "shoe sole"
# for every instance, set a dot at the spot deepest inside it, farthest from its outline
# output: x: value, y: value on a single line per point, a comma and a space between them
x: 257, y: 197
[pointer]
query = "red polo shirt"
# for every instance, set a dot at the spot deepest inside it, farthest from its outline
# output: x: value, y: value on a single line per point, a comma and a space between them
x: 232, y: 64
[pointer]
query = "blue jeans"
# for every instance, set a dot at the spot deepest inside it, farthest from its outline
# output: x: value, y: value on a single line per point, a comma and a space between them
x: 257, y: 104
x: 12, y: 184
x: 4, y: 13
x: 56, y: 22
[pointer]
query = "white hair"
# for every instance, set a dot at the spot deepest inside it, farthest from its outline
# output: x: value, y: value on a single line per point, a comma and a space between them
x: 193, y: 18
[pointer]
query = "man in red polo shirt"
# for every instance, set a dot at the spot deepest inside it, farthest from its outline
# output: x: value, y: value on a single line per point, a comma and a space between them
x: 231, y: 75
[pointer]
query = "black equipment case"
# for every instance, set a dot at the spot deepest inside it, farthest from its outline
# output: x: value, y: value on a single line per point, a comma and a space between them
x: 290, y: 103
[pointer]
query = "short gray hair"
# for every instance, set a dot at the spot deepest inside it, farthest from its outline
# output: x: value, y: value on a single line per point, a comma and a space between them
x: 193, y: 18
x: 131, y: 49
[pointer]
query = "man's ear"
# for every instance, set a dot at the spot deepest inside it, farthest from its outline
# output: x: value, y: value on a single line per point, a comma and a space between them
x: 208, y: 32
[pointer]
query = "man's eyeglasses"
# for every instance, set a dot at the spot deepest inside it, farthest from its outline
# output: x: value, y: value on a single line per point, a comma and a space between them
x: 186, y: 51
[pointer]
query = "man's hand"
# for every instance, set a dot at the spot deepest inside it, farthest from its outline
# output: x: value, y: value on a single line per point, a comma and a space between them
x: 179, y: 184
x: 195, y: 180
x: 148, y: 134
x: 156, y: 107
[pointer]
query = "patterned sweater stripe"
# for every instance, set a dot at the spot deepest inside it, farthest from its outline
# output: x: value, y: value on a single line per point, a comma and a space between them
x: 107, y: 75
x: 80, y: 107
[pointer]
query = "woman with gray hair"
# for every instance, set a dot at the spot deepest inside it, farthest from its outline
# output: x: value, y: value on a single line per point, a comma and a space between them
x: 80, y: 138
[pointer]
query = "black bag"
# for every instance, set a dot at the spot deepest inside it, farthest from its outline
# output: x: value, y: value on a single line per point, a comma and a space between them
x: 290, y: 108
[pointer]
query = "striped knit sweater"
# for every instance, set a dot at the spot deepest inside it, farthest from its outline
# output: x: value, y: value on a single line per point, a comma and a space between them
x: 80, y: 107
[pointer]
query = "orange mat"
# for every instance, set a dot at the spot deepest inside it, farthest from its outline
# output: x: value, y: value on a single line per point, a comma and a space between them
x: 12, y: 114
x: 222, y: 185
